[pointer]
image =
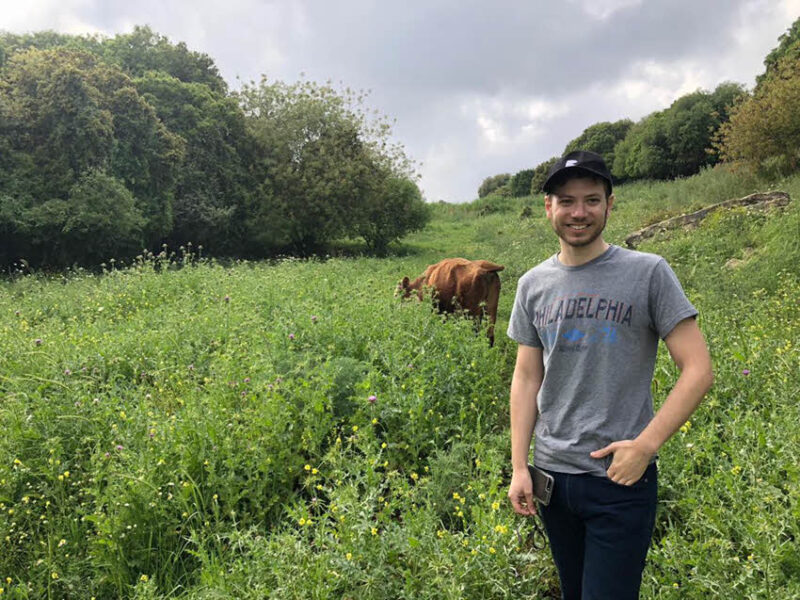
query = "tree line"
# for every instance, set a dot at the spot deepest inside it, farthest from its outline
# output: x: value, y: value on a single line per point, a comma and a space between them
x: 758, y: 129
x: 109, y: 146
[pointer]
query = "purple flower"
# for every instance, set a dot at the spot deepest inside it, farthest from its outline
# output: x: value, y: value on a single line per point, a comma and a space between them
x: 372, y: 399
x: 190, y: 367
x: 67, y: 372
x: 291, y: 336
x: 745, y: 371
x: 247, y: 380
x: 314, y: 318
x: 227, y: 298
x: 107, y: 455
x: 38, y: 341
x: 119, y: 446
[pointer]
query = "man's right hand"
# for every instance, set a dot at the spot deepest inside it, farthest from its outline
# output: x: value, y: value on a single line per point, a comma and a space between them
x: 520, y: 492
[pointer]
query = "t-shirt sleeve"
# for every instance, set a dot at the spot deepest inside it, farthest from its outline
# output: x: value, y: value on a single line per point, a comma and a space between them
x: 520, y: 326
x: 668, y: 303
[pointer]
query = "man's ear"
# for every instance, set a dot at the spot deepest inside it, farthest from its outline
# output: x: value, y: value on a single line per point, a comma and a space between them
x: 610, y: 201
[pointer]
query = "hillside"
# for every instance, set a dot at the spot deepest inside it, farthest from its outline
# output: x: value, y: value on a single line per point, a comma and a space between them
x: 291, y: 430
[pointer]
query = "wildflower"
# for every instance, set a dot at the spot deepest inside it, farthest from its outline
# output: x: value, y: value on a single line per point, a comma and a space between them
x: 301, y: 522
x: 383, y: 445
x: 414, y: 476
x: 307, y: 467
x: 67, y: 372
x: 492, y: 551
x: 314, y: 471
x: 495, y: 505
x: 374, y: 421
x: 227, y: 298
x: 314, y: 318
x: 62, y: 542
x: 291, y: 336
x: 54, y: 575
x: 119, y: 446
x: 500, y: 529
x: 745, y: 371
x: 38, y: 341
x: 144, y: 578
x: 348, y: 556
x: 372, y: 399
x: 355, y: 428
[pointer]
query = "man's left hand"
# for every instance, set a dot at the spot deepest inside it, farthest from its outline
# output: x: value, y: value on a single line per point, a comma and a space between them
x: 629, y: 462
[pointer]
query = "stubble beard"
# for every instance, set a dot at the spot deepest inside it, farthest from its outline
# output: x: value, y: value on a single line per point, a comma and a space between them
x: 581, y: 243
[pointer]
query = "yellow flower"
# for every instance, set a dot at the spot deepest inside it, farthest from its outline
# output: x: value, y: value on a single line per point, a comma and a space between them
x: 383, y: 445
x: 54, y: 575
x: 307, y: 467
x: 495, y: 505
x: 314, y: 471
x: 501, y: 529
x: 374, y: 531
x: 144, y: 578
x: 355, y: 428
x: 414, y: 476
x: 492, y: 551
x: 348, y: 556
x: 374, y: 421
x: 62, y: 542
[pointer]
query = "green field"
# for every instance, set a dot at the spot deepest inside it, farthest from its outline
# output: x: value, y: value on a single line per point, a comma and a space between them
x: 291, y: 430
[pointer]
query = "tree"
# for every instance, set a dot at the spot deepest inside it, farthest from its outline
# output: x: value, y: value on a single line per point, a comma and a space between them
x: 520, y: 183
x: 766, y: 126
x: 318, y: 158
x: 144, y: 50
x: 788, y: 45
x: 392, y: 210
x: 491, y: 184
x: 214, y: 182
x: 65, y: 116
x: 540, y: 175
x: 601, y: 138
x: 675, y: 142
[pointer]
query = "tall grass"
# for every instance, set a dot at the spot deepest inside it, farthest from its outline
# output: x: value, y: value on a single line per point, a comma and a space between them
x: 292, y: 430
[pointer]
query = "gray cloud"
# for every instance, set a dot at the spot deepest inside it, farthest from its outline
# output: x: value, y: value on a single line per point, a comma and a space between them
x: 477, y: 88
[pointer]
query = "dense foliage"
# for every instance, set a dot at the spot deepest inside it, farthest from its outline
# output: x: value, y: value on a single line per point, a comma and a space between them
x: 520, y: 183
x: 493, y: 183
x: 675, y: 142
x: 148, y: 128
x: 764, y: 129
x: 601, y: 138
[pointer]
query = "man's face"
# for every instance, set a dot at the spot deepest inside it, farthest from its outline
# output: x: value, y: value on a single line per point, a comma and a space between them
x: 578, y: 211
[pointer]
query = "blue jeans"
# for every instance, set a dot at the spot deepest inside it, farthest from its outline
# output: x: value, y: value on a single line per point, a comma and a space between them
x: 599, y: 533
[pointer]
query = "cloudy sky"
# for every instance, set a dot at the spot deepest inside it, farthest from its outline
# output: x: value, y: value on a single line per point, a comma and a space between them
x: 477, y: 88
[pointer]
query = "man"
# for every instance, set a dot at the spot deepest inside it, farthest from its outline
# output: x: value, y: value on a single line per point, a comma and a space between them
x: 588, y: 321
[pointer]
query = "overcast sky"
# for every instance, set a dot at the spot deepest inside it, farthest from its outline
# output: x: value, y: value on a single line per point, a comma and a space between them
x: 477, y: 88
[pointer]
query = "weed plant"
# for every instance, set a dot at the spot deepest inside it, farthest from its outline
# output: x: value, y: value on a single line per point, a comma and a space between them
x: 292, y: 430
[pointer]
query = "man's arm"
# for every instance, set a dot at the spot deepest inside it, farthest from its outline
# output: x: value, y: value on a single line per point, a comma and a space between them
x: 528, y: 375
x: 687, y: 347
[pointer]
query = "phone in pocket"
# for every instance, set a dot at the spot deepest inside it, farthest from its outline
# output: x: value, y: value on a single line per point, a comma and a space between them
x: 543, y: 484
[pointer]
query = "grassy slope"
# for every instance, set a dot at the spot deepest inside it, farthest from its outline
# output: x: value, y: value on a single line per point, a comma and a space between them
x: 208, y: 432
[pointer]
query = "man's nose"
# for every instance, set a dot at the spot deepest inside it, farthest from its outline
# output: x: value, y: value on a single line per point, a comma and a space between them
x: 578, y: 210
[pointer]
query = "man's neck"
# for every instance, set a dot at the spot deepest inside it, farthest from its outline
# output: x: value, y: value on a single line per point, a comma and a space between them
x: 574, y: 256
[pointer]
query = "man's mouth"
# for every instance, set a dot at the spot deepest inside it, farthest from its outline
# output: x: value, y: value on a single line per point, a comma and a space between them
x: 578, y: 227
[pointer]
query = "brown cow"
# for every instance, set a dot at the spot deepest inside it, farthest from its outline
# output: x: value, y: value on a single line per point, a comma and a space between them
x: 469, y: 285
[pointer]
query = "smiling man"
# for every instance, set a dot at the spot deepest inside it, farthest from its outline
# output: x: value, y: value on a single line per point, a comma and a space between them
x: 588, y: 321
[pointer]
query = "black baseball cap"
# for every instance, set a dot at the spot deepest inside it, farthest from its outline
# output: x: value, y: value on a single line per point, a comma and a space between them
x: 579, y: 159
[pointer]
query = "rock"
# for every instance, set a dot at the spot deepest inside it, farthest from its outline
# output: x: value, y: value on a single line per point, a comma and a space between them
x: 759, y: 201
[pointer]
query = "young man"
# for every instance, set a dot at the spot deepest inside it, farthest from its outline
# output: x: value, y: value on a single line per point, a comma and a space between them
x: 588, y: 321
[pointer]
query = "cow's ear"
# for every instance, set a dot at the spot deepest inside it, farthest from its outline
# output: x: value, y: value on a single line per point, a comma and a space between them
x: 405, y: 283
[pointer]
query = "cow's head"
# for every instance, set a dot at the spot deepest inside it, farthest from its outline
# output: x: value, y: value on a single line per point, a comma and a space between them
x: 403, y: 288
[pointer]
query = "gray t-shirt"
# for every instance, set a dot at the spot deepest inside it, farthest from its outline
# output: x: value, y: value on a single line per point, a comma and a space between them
x: 598, y: 325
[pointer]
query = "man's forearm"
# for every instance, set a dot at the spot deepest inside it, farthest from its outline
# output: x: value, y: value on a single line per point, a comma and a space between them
x: 523, y: 419
x: 681, y: 402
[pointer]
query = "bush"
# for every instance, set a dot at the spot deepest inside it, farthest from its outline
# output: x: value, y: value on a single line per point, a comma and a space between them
x: 491, y: 184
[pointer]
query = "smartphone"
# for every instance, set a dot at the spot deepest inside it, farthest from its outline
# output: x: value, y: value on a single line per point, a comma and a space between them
x: 542, y: 484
